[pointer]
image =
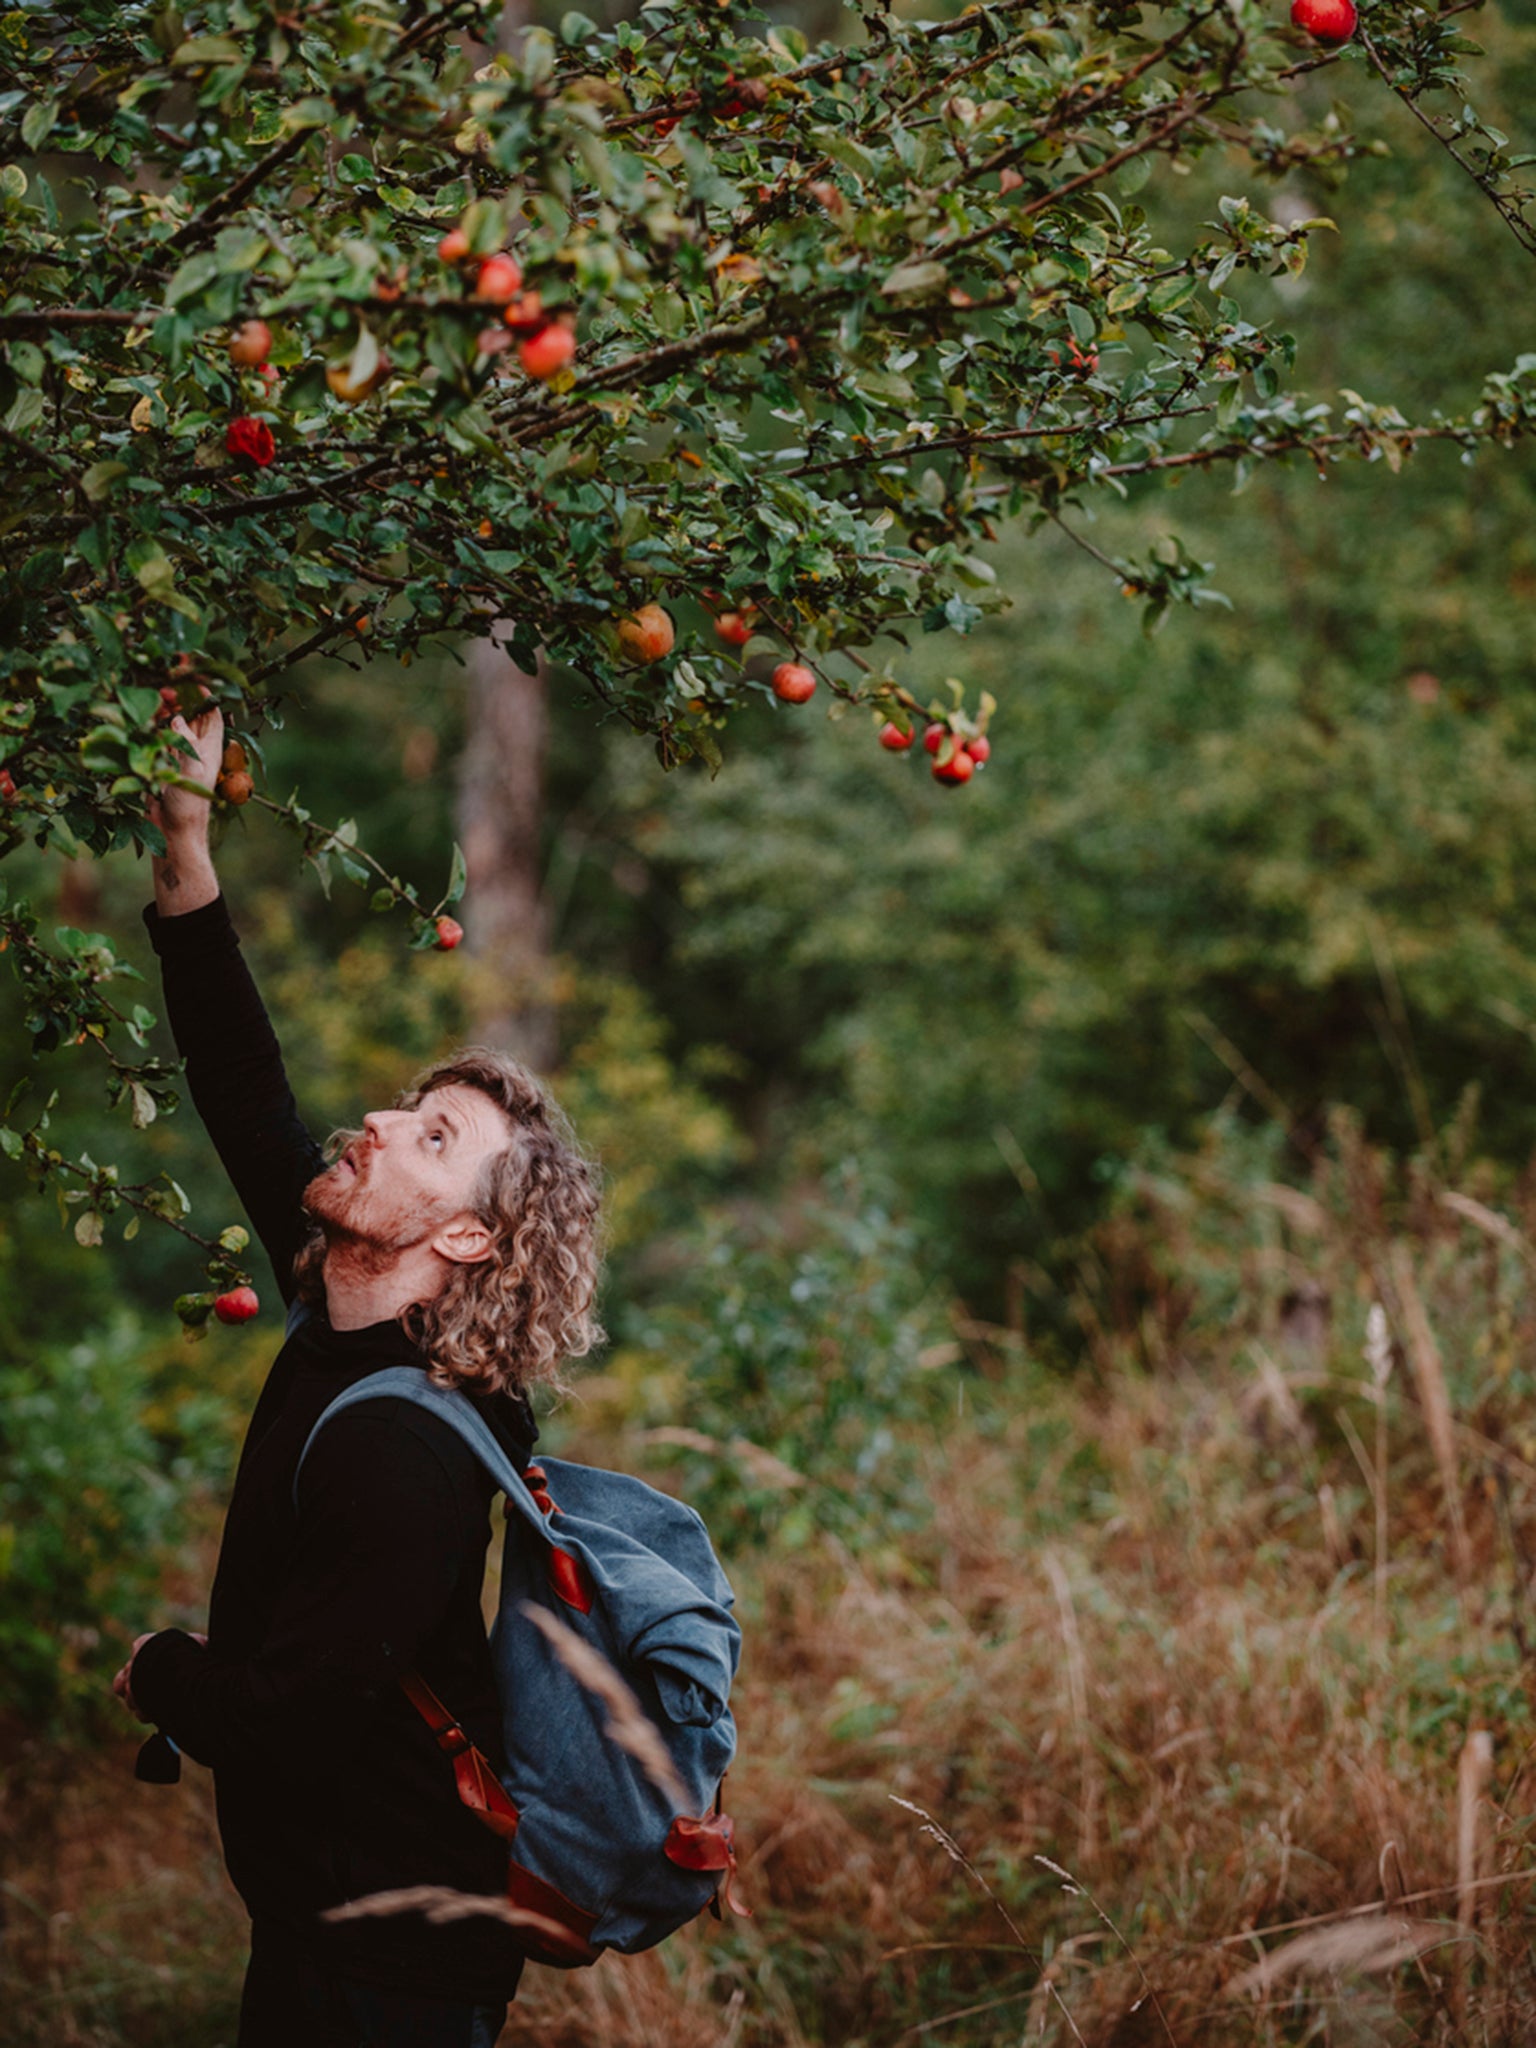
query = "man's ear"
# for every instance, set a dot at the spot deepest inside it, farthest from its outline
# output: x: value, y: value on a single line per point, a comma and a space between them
x: 465, y: 1240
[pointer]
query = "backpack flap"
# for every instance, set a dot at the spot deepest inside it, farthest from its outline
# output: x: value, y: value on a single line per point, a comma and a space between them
x: 594, y: 1825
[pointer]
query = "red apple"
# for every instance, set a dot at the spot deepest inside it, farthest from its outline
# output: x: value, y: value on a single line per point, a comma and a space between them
x: 894, y: 739
x: 545, y: 354
x: 958, y: 768
x: 935, y: 737
x: 526, y: 314
x: 250, y: 345
x: 454, y: 246
x: 1326, y: 21
x: 238, y: 1306
x: 734, y: 628
x: 7, y: 786
x: 449, y: 932
x: 648, y: 635
x: 500, y: 278
x: 979, y: 749
x: 794, y: 682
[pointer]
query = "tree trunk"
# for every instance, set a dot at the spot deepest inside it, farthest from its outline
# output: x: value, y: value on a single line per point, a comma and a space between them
x: 500, y: 810
x: 501, y: 792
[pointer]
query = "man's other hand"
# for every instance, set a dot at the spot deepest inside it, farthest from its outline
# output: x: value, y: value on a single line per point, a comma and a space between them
x: 122, y: 1684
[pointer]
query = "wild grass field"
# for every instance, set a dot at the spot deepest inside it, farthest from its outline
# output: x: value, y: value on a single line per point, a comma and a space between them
x: 1185, y: 1699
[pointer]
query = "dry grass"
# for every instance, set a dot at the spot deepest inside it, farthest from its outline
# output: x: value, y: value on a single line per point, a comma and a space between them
x: 1188, y: 1756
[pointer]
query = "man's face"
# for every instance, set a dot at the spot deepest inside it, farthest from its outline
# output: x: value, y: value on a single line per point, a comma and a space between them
x: 410, y: 1171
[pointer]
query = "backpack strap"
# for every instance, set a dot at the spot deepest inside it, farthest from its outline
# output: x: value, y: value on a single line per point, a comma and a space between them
x: 479, y: 1788
x: 410, y: 1383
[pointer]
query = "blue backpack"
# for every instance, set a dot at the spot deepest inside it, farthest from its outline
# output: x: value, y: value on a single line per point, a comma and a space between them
x: 599, y: 1855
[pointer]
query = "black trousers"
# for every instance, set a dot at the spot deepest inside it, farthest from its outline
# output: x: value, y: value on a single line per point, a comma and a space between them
x: 291, y: 2001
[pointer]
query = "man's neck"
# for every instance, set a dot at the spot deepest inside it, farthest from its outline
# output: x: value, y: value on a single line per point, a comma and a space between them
x: 359, y: 1292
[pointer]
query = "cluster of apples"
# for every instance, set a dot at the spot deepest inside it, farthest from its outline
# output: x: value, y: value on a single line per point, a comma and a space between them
x: 545, y: 342
x: 956, y: 755
x: 649, y: 634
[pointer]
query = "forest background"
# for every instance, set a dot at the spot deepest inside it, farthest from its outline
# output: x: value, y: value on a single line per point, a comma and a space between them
x: 1000, y: 1183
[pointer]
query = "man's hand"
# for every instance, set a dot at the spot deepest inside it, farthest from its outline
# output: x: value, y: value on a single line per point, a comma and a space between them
x: 122, y: 1685
x: 184, y: 876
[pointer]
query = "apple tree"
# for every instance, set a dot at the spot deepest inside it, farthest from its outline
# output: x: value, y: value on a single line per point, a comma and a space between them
x: 675, y: 351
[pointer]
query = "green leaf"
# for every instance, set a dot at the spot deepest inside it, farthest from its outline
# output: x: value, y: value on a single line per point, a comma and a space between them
x: 98, y: 481
x: 925, y: 276
x: 209, y: 50
x: 195, y: 275
x: 1171, y: 293
x: 37, y: 122
x: 458, y: 875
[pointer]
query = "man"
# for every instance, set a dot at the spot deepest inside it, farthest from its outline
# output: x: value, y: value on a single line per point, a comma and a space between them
x: 455, y: 1232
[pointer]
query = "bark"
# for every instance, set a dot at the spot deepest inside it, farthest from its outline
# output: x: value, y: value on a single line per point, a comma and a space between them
x: 501, y: 801
x: 500, y: 813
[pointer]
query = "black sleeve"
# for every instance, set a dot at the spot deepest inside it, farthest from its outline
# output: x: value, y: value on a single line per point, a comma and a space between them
x: 235, y: 1072
x: 381, y: 1538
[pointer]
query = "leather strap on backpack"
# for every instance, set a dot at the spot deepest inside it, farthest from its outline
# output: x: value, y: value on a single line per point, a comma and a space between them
x: 554, y: 1930
x: 478, y: 1785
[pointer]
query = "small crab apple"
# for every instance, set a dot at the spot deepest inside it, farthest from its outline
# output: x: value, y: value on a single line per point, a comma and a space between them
x: 449, y: 932
x: 958, y: 768
x: 7, y: 786
x: 794, y: 682
x: 546, y: 353
x: 251, y: 439
x: 893, y: 739
x: 979, y: 749
x: 525, y: 314
x: 237, y: 1306
x: 935, y: 737
x: 237, y: 788
x: 1326, y: 21
x: 648, y: 634
x: 250, y: 344
x: 734, y: 628
x: 454, y: 246
x: 499, y: 278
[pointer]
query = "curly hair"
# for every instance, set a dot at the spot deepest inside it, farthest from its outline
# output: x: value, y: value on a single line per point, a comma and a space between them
x: 509, y: 1320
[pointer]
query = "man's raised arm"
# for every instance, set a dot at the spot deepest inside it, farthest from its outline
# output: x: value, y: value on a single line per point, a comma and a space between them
x: 234, y: 1063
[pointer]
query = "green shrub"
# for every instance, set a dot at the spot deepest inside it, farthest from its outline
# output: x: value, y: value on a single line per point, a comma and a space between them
x: 101, y: 1446
x: 798, y: 1365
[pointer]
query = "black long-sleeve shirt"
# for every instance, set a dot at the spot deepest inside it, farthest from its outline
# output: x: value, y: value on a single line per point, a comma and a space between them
x: 329, y: 1786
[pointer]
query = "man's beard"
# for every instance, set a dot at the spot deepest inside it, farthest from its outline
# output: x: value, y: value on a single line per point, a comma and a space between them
x: 361, y: 1221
